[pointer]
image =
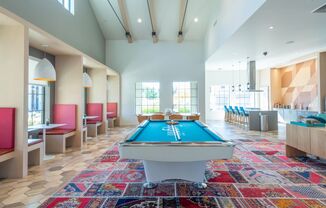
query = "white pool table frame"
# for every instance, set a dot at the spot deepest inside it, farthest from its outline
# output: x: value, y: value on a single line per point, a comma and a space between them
x: 175, y: 160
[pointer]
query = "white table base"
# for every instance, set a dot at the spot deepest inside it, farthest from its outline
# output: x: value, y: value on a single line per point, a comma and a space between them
x: 159, y: 171
x: 45, y: 156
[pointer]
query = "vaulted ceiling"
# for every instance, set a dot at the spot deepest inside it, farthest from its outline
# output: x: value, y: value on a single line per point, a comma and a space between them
x: 286, y: 29
x: 165, y: 12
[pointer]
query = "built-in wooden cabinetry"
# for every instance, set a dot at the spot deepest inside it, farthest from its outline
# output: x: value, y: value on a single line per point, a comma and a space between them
x: 305, y: 140
x: 318, y: 141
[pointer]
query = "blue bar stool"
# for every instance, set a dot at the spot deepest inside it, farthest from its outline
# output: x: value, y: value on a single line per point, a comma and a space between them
x: 245, y: 114
x: 239, y: 115
x: 227, y: 114
x: 233, y: 114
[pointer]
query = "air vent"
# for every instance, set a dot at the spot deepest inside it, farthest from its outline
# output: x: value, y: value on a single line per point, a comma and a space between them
x: 321, y: 9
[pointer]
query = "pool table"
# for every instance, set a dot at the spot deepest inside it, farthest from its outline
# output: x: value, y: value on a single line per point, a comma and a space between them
x: 177, y: 151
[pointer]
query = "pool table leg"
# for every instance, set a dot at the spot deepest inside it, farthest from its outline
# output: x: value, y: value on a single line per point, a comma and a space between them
x: 200, y: 185
x: 150, y: 185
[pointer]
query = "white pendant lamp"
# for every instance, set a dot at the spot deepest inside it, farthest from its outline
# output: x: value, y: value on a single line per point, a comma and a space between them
x: 87, y: 81
x: 44, y: 70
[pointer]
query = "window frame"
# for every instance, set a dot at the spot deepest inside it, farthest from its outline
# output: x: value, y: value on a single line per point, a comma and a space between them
x: 194, y: 106
x: 218, y: 96
x: 241, y: 98
x: 141, y: 106
x: 31, y: 94
x: 69, y: 5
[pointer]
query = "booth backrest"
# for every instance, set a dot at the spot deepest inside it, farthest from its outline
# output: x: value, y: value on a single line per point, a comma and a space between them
x: 112, y: 107
x: 95, y: 109
x: 7, y: 128
x: 65, y: 114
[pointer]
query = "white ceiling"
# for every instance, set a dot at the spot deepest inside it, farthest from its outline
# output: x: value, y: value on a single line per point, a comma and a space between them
x: 167, y: 18
x: 292, y: 20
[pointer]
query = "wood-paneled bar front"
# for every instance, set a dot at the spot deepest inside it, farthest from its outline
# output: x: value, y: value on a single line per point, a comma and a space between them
x: 301, y: 141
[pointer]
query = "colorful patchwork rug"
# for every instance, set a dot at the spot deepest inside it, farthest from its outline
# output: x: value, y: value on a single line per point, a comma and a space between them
x: 259, y: 175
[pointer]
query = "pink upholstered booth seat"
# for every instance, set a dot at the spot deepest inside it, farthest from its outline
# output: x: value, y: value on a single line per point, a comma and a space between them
x: 5, y: 151
x: 112, y: 107
x: 94, y: 109
x: 64, y: 114
x: 7, y: 130
x: 92, y: 121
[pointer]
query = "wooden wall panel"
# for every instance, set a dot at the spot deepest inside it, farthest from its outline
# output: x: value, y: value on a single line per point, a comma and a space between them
x: 318, y: 142
x: 291, y: 135
x: 299, y: 85
x: 303, y: 136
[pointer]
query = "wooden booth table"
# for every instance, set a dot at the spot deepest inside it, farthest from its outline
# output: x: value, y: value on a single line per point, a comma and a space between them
x: 85, y: 130
x: 85, y: 118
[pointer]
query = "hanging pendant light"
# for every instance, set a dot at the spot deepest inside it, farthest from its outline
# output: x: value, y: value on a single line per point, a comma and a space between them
x: 233, y: 88
x: 44, y: 70
x: 248, y: 83
x: 239, y: 78
x: 87, y: 81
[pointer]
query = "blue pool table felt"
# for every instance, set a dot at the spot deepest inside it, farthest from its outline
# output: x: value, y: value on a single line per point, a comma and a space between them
x: 160, y: 131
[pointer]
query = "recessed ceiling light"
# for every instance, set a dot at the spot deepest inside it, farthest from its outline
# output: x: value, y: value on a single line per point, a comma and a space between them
x: 139, y: 20
x: 196, y: 19
x: 271, y: 27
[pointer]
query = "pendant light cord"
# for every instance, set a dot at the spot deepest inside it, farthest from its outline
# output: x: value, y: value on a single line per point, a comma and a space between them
x: 239, y: 72
x: 233, y: 87
x: 239, y: 77
x: 44, y: 50
x: 150, y: 15
x: 184, y: 15
x: 117, y: 16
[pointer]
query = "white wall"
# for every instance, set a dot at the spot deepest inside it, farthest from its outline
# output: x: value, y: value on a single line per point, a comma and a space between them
x: 229, y: 16
x: 98, y: 93
x: 113, y: 89
x: 165, y: 62
x: 80, y: 30
x: 69, y: 90
x: 225, y: 77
